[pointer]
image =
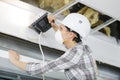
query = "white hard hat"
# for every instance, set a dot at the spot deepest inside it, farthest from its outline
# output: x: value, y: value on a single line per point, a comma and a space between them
x: 77, y: 23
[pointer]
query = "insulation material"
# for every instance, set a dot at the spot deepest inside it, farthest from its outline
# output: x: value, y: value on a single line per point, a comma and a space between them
x: 49, y: 5
x: 73, y: 9
x: 52, y: 5
x: 105, y: 30
x: 92, y: 15
x: 115, y: 30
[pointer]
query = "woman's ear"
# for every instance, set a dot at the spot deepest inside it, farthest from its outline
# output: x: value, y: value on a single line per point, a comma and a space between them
x: 70, y: 34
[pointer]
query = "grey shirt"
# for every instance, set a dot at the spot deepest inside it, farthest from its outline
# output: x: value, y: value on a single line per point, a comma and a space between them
x: 77, y: 63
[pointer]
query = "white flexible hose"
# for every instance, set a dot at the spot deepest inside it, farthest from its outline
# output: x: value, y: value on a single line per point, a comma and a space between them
x: 43, y: 57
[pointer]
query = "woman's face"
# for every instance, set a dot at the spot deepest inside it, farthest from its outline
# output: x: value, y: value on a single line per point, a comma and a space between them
x: 66, y: 34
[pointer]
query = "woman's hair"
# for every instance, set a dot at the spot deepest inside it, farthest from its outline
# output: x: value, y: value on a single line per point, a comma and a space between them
x: 77, y: 39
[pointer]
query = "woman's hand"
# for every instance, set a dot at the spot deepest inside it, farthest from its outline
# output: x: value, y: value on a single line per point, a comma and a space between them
x: 51, y: 20
x: 15, y: 59
x: 13, y: 56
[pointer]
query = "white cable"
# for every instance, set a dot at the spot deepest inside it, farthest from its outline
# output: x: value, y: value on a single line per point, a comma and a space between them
x: 43, y: 57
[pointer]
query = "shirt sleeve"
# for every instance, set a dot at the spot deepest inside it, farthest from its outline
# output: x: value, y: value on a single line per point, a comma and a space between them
x: 66, y: 61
